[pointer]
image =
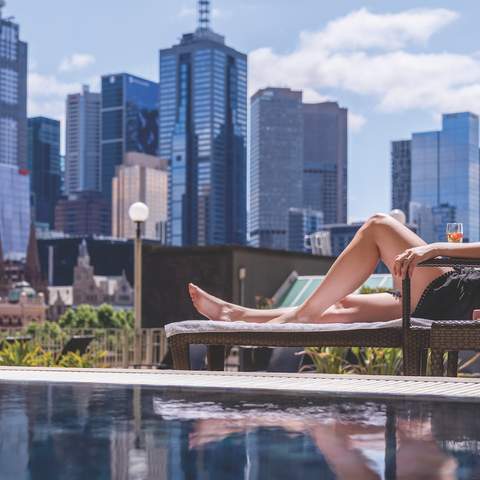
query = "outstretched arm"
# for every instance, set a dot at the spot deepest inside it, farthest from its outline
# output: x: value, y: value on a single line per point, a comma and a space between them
x: 410, y: 258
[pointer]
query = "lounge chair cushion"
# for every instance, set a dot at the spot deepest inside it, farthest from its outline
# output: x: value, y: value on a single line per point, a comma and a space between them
x: 211, y: 326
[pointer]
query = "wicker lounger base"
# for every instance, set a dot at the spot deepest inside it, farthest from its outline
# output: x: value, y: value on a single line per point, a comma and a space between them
x: 451, y: 337
x: 414, y: 345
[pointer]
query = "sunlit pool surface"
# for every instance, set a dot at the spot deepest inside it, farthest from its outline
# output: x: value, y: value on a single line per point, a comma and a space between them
x: 91, y: 431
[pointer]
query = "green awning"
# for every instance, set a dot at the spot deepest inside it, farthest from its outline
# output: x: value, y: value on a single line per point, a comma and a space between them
x: 304, y: 286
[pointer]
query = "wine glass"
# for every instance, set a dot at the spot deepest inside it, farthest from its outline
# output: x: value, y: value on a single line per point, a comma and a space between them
x: 455, y: 232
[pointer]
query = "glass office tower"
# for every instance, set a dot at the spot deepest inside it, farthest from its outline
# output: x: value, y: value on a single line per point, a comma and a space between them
x: 15, y: 216
x: 276, y: 159
x: 445, y: 178
x: 401, y: 170
x: 14, y: 180
x: 203, y: 134
x: 325, y: 151
x: 44, y: 166
x: 129, y: 122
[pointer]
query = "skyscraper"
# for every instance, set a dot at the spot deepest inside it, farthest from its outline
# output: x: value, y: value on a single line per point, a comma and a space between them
x: 401, y: 168
x: 14, y: 181
x: 44, y: 166
x: 82, y: 159
x: 325, y: 152
x: 141, y: 178
x: 298, y: 161
x: 203, y: 135
x: 445, y: 178
x: 129, y: 122
x: 276, y: 164
x: 15, y: 215
x: 13, y: 95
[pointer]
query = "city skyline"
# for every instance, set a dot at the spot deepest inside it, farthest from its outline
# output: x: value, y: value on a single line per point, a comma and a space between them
x: 430, y: 42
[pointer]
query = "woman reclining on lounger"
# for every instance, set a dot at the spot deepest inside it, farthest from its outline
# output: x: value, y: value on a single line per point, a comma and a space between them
x: 437, y: 293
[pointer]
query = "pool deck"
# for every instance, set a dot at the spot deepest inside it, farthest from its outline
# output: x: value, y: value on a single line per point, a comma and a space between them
x: 412, y: 388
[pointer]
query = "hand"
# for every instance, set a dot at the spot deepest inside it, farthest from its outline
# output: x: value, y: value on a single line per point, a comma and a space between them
x: 410, y: 258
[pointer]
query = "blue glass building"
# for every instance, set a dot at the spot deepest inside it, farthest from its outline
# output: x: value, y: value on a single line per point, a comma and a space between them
x: 14, y: 179
x: 44, y: 166
x: 15, y: 217
x: 129, y: 122
x: 203, y: 134
x: 445, y: 178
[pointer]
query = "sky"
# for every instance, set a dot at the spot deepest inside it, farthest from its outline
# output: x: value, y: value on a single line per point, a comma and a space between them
x: 397, y: 65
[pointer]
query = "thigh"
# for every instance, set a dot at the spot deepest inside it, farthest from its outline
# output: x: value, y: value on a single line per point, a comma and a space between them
x: 393, y: 239
x: 374, y: 307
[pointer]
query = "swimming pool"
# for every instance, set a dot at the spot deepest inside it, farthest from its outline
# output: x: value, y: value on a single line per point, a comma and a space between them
x: 99, y: 431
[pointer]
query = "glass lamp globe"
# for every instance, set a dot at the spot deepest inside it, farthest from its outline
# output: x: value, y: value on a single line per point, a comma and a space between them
x: 399, y: 215
x: 138, y: 212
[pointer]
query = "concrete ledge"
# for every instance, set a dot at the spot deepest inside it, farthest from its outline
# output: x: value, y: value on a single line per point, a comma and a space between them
x: 372, y: 386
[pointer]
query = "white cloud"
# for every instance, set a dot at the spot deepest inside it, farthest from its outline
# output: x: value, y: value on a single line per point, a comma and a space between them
x: 75, y: 62
x: 355, y: 121
x: 187, y: 12
x: 47, y: 96
x: 367, y: 54
x: 363, y: 30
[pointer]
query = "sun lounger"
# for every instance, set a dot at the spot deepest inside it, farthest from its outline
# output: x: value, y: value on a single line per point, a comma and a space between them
x: 218, y: 335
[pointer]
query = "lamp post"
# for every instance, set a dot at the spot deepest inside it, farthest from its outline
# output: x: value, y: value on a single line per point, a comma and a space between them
x: 138, y: 213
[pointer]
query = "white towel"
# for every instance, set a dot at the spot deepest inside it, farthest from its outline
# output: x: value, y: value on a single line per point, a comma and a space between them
x: 211, y: 326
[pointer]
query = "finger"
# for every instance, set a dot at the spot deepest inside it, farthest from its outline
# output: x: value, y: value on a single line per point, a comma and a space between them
x: 412, y: 266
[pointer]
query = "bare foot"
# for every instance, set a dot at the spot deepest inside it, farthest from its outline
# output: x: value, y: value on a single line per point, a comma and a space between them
x: 212, y: 307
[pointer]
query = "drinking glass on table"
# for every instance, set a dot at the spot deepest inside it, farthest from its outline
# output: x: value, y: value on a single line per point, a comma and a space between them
x: 455, y: 232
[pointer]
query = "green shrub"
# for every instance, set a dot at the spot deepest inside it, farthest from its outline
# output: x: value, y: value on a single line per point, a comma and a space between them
x: 89, y: 317
x: 31, y: 354
x: 368, y: 361
x: 26, y: 354
x: 46, y: 329
x: 87, y: 360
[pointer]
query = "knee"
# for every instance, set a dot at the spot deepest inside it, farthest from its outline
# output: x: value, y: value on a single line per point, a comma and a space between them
x: 377, y: 220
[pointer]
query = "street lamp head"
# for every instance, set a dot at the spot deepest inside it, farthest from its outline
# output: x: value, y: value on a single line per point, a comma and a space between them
x: 138, y: 212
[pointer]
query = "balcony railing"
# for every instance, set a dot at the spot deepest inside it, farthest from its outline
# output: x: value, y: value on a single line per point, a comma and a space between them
x: 116, y: 344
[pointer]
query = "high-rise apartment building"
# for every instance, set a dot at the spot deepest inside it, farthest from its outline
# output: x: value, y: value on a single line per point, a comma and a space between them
x: 325, y: 153
x: 276, y: 164
x: 83, y: 213
x: 203, y: 135
x: 44, y: 166
x: 401, y: 169
x: 298, y: 161
x: 14, y: 181
x: 445, y: 178
x: 129, y: 122
x: 141, y: 178
x: 82, y: 150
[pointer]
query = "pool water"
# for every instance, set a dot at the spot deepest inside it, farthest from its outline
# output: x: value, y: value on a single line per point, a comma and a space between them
x: 90, y: 431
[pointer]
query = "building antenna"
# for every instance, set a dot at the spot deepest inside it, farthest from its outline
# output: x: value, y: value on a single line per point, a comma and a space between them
x: 203, y: 14
x: 2, y: 5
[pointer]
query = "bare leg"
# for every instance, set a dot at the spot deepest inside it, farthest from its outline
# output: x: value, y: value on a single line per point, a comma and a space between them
x: 217, y: 309
x: 380, y: 238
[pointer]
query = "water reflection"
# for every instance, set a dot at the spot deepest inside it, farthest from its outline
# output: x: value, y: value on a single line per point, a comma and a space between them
x: 90, y: 431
